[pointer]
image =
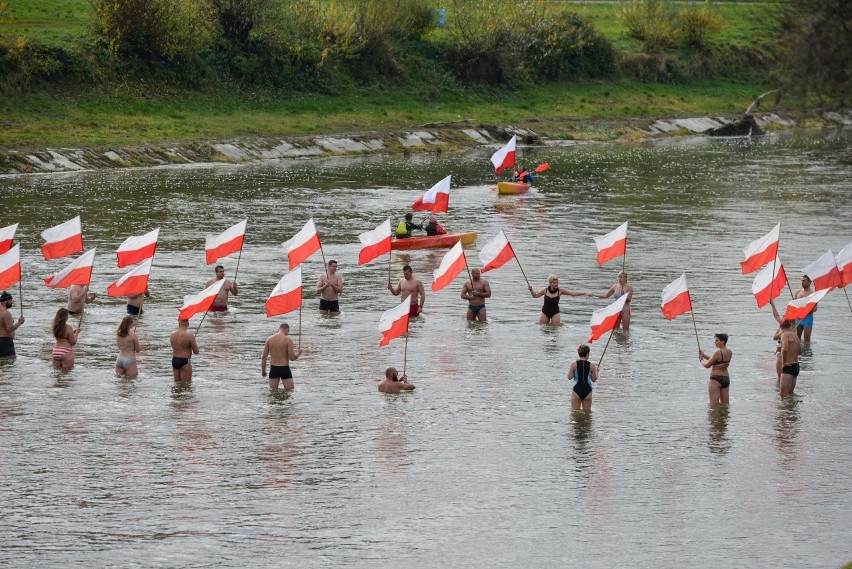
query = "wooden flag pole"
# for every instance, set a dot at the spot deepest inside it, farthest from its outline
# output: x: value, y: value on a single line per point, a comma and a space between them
x: 21, y: 296
x: 844, y: 292
x: 202, y: 321
x: 390, y: 258
x: 519, y: 263
x: 324, y: 264
x: 611, y: 332
x: 405, y: 356
x: 694, y: 327
x: 237, y: 270
x: 300, y: 326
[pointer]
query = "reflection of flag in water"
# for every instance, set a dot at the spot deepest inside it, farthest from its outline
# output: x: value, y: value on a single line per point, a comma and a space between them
x: 287, y: 294
x: 63, y: 240
x: 844, y: 264
x: 137, y: 248
x: 10, y: 267
x: 77, y: 273
x: 7, y: 237
x: 676, y: 298
x: 505, y: 157
x: 134, y: 282
x: 437, y: 199
x: 801, y: 307
x: 201, y: 302
x: 767, y: 282
x: 304, y: 244
x: 606, y: 318
x: 375, y: 243
x: 496, y: 253
x: 227, y: 242
x: 394, y: 322
x: 451, y: 265
x: 612, y: 245
x: 762, y: 251
x: 824, y: 272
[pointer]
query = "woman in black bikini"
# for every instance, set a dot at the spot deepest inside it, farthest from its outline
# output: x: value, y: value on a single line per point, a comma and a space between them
x: 720, y: 381
x: 550, y: 310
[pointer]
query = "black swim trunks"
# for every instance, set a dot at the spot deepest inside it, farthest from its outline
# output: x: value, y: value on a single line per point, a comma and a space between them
x: 134, y: 310
x: 791, y: 369
x: 178, y: 363
x: 723, y: 380
x: 475, y: 308
x: 330, y: 305
x: 7, y: 347
x: 280, y: 372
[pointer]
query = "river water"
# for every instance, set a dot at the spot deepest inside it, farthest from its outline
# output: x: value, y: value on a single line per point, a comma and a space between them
x: 483, y: 465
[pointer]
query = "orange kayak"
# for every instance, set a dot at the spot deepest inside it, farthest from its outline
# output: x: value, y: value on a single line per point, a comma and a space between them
x: 504, y: 188
x: 434, y: 241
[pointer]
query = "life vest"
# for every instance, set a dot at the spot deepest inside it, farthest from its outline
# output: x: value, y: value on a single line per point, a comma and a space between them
x: 402, y: 228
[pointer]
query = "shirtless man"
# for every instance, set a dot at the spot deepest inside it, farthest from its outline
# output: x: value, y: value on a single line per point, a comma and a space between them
x: 8, y: 325
x: 329, y: 286
x: 475, y: 291
x: 221, y: 302
x: 806, y: 324
x: 134, y: 303
x: 392, y: 383
x: 410, y: 286
x: 183, y: 346
x: 790, y: 347
x: 280, y: 347
x: 78, y: 297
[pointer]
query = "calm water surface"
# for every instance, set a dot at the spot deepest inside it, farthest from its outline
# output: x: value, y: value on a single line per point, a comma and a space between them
x: 484, y: 464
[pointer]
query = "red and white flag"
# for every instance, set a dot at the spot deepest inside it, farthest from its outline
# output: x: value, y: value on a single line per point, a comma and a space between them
x: 767, y: 284
x: 676, y: 299
x: 63, y: 240
x: 77, y: 273
x: 762, y: 251
x: 137, y: 248
x: 496, y: 253
x: 287, y: 294
x: 7, y: 237
x: 612, y: 245
x: 505, y: 157
x: 222, y: 245
x: 801, y: 307
x: 201, y: 302
x: 844, y: 264
x: 824, y: 272
x: 451, y: 265
x: 375, y: 243
x: 10, y: 267
x: 394, y: 322
x: 437, y: 199
x: 606, y: 318
x: 304, y: 244
x: 134, y: 282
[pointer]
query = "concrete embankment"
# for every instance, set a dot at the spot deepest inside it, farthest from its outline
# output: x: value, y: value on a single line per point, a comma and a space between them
x: 437, y: 137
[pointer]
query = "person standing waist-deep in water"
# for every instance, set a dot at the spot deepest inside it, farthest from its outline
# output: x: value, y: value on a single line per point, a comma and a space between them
x: 582, y: 374
x: 280, y: 347
x: 128, y: 346
x: 720, y: 381
x: 475, y: 291
x: 392, y: 383
x: 411, y: 286
x: 62, y: 356
x: 220, y: 304
x: 805, y: 326
x: 8, y: 325
x: 790, y: 349
x: 616, y: 291
x: 183, y: 346
x: 551, y: 294
x: 329, y: 286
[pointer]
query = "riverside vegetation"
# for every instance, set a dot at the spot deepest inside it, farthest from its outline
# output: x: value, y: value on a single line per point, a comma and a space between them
x: 105, y: 72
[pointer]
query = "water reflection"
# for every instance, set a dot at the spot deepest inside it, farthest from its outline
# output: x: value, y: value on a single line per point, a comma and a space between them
x: 787, y: 425
x: 717, y: 419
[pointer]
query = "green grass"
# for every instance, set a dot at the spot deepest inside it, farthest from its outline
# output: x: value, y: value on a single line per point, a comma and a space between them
x: 61, y: 22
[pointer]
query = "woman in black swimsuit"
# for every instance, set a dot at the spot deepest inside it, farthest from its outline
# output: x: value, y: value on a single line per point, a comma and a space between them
x: 720, y: 381
x: 550, y: 310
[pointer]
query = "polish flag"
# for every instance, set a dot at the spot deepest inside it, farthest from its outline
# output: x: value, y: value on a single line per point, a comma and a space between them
x: 7, y: 237
x: 767, y: 284
x: 606, y: 318
x: 375, y: 243
x: 63, y: 240
x: 77, y: 273
x: 844, y: 264
x: 496, y: 253
x: 201, y: 302
x: 762, y: 251
x: 138, y: 248
x: 134, y: 282
x: 801, y: 307
x: 676, y: 300
x: 612, y: 245
x: 304, y: 244
x: 394, y: 322
x: 505, y: 157
x: 222, y: 245
x: 437, y: 199
x: 10, y: 267
x: 824, y: 272
x: 287, y: 294
x: 451, y: 265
